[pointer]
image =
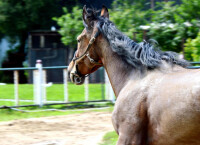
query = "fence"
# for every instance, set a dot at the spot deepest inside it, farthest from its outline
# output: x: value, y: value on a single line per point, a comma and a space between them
x: 194, y: 67
x: 40, y: 88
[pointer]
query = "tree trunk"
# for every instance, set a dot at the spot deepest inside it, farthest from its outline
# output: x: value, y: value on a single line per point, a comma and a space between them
x: 152, y: 4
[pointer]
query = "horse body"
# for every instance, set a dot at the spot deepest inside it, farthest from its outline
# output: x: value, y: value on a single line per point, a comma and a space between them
x: 160, y: 109
x: 173, y: 108
x: 158, y: 100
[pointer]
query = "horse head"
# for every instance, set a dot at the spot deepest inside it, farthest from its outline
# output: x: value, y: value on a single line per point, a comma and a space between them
x: 87, y: 57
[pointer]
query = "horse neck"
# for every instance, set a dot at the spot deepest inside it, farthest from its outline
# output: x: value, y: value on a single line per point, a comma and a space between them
x: 119, y: 72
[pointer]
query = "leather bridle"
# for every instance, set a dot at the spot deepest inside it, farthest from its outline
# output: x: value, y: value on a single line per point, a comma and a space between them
x: 85, y: 54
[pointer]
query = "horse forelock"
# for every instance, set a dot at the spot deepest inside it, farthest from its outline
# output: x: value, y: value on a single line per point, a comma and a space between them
x: 139, y: 55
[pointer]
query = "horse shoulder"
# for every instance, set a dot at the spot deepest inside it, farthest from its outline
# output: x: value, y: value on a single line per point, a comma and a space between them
x: 130, y: 114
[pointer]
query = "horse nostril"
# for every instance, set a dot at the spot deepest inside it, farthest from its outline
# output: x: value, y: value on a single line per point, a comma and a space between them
x: 78, y: 80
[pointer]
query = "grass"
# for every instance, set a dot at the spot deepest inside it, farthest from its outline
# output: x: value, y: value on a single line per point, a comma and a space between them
x: 9, y: 114
x: 109, y: 138
x: 54, y: 93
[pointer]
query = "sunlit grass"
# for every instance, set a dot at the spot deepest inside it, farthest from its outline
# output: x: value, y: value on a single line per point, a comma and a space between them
x: 9, y: 114
x: 53, y: 93
x: 110, y: 138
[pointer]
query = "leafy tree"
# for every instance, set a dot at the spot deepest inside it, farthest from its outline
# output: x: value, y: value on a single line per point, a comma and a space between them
x: 18, y: 17
x: 71, y: 25
x: 128, y: 15
x: 169, y: 23
x: 189, y: 10
x: 192, y: 48
x: 169, y: 26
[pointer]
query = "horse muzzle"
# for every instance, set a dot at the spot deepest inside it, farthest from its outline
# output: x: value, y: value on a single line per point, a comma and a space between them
x: 78, y: 80
x: 75, y: 77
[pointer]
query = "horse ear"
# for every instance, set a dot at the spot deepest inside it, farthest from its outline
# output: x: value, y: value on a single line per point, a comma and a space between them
x: 85, y: 16
x: 104, y: 12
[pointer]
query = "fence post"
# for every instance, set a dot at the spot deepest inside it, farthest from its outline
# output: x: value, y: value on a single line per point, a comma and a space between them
x: 86, y: 89
x: 108, y: 89
x: 102, y: 78
x: 16, y: 85
x: 38, y: 83
x: 65, y: 78
x: 44, y: 82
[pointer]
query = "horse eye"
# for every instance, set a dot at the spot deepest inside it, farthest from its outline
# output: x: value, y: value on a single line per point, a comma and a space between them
x: 78, y: 41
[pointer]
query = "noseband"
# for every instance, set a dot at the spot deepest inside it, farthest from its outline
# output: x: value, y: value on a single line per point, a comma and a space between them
x: 86, y: 53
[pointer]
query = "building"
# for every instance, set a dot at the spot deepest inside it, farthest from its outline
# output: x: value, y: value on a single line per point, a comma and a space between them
x: 47, y: 46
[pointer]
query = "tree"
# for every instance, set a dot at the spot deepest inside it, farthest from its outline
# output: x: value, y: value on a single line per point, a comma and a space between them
x: 172, y: 24
x: 18, y: 17
x: 128, y: 15
x: 192, y: 48
x: 71, y: 25
x: 169, y: 23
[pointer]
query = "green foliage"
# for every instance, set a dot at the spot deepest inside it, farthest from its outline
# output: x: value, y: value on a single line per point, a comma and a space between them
x: 127, y: 15
x: 189, y: 10
x: 167, y: 35
x: 164, y: 28
x: 170, y: 28
x: 71, y: 26
x: 192, y: 48
x: 17, y: 17
x: 170, y: 24
x: 165, y: 12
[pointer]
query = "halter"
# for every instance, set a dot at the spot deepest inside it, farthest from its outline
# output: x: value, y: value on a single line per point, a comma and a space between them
x: 86, y: 53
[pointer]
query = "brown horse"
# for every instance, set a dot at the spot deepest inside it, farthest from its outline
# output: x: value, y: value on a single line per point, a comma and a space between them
x: 158, y: 98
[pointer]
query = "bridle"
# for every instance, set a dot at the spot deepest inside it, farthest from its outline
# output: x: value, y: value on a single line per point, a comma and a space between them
x: 85, y: 54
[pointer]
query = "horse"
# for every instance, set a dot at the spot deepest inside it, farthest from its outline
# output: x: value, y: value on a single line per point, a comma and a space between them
x: 157, y: 97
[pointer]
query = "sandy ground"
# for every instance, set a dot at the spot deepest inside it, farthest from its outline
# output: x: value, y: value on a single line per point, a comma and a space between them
x: 77, y: 129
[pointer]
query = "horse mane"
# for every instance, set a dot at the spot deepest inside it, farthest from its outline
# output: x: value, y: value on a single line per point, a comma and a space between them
x: 139, y: 55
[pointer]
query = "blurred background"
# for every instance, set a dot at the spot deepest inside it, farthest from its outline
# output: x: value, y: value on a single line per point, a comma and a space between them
x: 47, y: 30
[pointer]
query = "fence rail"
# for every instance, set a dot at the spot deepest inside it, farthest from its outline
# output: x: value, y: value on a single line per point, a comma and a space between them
x: 194, y: 67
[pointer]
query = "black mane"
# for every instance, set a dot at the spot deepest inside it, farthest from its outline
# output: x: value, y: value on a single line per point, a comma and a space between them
x: 138, y: 55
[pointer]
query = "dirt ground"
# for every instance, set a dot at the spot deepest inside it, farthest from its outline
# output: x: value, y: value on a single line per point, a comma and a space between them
x: 76, y: 129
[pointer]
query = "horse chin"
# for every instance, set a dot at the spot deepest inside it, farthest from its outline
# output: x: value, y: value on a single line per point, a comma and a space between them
x: 78, y: 80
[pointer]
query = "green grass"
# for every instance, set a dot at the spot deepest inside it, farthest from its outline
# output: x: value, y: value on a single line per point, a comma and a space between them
x: 109, y: 138
x: 9, y: 114
x: 54, y: 93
